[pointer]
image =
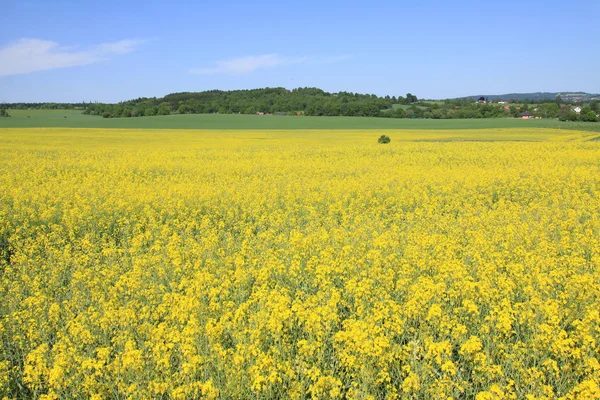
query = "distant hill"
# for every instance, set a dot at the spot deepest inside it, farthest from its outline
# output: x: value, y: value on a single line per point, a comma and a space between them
x: 566, y: 96
x: 266, y: 101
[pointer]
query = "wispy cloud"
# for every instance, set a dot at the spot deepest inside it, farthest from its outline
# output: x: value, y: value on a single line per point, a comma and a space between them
x: 31, y: 55
x: 120, y: 47
x: 245, y: 65
x: 332, y: 59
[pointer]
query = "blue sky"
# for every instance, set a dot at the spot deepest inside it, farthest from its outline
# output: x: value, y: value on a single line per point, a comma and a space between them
x: 118, y: 50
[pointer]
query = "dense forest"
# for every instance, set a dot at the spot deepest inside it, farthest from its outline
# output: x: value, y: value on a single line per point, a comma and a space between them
x: 316, y: 102
x: 307, y: 101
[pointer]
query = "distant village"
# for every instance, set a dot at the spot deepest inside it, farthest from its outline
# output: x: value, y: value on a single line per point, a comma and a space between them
x: 577, y: 109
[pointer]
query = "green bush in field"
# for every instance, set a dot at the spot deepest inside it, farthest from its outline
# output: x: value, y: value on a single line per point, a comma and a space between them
x: 383, y: 139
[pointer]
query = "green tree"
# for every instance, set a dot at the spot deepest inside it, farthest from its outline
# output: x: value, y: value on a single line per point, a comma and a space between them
x: 150, y: 111
x: 117, y: 110
x: 138, y: 112
x: 567, y: 115
x: 164, y: 108
x: 185, y: 109
x: 549, y: 110
x: 588, y: 116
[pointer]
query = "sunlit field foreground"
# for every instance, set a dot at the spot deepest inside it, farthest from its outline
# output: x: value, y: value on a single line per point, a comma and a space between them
x: 305, y: 264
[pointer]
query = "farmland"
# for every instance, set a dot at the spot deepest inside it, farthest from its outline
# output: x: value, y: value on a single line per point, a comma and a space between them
x: 75, y: 119
x: 254, y: 263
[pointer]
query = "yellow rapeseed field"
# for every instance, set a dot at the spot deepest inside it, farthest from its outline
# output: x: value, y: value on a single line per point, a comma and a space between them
x: 321, y: 265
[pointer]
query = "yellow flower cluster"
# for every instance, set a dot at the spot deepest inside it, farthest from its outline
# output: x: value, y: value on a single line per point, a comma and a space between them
x: 251, y: 265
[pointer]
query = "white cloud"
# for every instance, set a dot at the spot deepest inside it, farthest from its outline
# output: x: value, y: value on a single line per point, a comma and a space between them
x: 333, y: 59
x: 120, y: 47
x: 32, y: 55
x: 244, y: 65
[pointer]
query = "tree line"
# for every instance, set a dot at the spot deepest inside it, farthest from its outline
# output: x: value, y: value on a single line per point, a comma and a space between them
x: 45, y: 106
x: 307, y: 101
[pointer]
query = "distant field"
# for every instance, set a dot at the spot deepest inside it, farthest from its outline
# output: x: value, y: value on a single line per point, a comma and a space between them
x: 54, y: 138
x: 432, y: 101
x: 75, y: 119
x: 406, y: 106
